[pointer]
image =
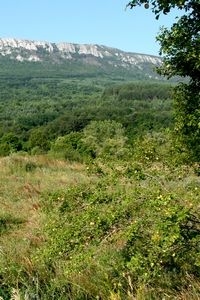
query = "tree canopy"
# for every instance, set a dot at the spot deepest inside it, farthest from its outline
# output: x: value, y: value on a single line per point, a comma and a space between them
x: 180, y: 45
x: 180, y: 48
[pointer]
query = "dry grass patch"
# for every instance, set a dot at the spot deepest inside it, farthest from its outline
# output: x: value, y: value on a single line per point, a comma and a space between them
x: 23, y: 180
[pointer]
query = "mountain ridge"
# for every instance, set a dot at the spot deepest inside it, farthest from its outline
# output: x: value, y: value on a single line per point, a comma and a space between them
x: 98, y: 56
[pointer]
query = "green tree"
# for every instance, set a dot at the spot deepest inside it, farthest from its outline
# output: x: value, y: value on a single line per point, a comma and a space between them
x: 9, y: 143
x: 70, y: 147
x: 38, y: 141
x: 105, y: 138
x: 180, y: 47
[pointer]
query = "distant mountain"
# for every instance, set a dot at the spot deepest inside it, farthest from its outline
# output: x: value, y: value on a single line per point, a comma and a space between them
x: 35, y: 58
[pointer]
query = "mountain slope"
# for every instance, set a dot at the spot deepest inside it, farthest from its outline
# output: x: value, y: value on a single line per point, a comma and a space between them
x: 64, y: 59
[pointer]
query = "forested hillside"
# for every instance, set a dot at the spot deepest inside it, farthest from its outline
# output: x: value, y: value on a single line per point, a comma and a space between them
x: 34, y: 113
x: 98, y: 199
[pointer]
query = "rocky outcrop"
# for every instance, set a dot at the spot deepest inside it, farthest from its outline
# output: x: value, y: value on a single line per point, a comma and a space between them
x: 26, y: 50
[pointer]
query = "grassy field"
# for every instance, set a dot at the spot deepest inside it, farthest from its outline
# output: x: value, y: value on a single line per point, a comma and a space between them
x: 22, y: 219
x: 111, y: 229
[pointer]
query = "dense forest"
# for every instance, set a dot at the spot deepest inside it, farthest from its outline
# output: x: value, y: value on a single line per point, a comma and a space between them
x: 34, y: 112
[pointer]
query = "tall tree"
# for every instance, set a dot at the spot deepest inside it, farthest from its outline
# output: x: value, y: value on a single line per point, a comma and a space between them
x: 180, y: 48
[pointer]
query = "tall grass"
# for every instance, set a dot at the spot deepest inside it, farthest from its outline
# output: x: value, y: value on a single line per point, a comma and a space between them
x: 109, y: 230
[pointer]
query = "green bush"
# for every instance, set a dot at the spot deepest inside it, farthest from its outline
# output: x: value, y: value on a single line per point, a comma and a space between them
x: 71, y: 147
x: 106, y: 139
x: 9, y: 143
x: 163, y: 242
x: 187, y: 126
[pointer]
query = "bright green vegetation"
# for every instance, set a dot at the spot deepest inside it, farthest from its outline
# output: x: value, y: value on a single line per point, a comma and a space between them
x: 97, y: 199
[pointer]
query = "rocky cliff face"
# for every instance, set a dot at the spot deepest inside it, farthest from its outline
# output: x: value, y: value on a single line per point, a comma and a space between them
x: 37, y: 58
x: 26, y: 50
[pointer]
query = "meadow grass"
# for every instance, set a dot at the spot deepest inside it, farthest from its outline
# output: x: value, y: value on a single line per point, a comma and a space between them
x: 23, y: 179
x: 106, y: 230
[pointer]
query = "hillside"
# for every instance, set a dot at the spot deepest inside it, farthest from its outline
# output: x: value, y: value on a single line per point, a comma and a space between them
x: 112, y: 229
x: 45, y: 59
x: 34, y: 113
x: 98, y: 198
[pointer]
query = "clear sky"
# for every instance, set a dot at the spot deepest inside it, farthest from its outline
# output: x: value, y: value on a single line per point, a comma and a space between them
x: 104, y: 22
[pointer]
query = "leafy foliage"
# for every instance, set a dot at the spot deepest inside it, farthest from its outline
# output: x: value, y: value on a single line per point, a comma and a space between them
x: 71, y: 147
x: 164, y: 242
x: 105, y: 138
x: 180, y: 46
x: 187, y: 120
x: 35, y: 113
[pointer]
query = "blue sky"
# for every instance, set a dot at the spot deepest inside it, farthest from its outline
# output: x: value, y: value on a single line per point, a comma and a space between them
x: 104, y: 22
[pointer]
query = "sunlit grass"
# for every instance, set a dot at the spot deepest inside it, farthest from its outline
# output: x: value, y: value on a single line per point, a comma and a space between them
x: 65, y: 225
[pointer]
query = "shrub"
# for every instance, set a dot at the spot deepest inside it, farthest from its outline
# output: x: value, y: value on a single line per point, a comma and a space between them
x: 70, y: 147
x: 163, y: 243
x: 106, y: 139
